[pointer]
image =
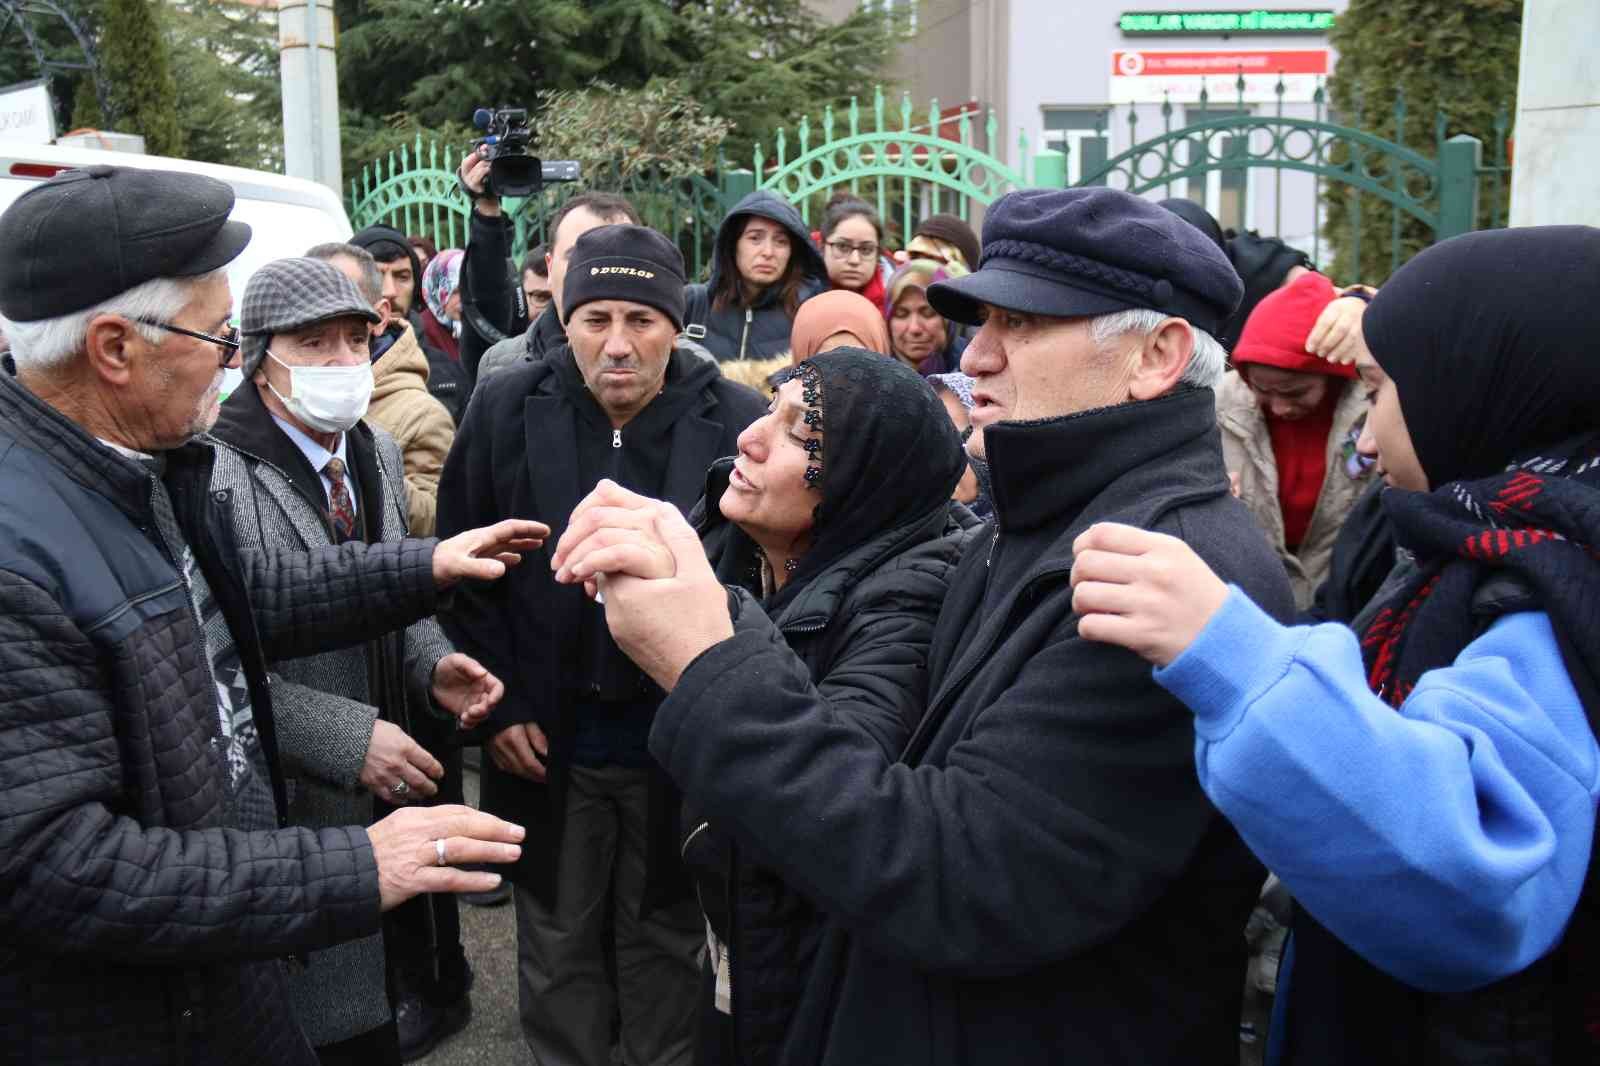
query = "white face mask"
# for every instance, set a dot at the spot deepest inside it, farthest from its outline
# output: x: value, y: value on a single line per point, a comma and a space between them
x: 330, y: 399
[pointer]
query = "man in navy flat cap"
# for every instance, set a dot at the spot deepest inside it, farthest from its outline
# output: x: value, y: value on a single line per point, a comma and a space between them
x: 1037, y: 877
x: 150, y: 885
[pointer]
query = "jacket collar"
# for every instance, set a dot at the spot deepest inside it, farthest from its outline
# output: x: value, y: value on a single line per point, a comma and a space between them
x: 124, y: 481
x: 247, y: 426
x: 1046, y: 472
x: 403, y: 366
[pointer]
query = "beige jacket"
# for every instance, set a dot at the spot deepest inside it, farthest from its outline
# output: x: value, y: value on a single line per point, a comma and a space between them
x: 420, y: 424
x: 755, y: 372
x: 1247, y: 450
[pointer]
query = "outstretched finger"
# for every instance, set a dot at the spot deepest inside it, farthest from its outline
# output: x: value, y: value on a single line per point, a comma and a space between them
x: 458, y: 820
x: 462, y: 851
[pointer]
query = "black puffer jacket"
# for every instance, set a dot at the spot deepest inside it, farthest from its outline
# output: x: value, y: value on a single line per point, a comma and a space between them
x: 862, y: 627
x: 137, y: 926
x: 762, y: 329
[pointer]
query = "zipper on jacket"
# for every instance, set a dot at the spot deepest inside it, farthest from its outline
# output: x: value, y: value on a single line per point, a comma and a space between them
x: 749, y: 313
x: 616, y: 438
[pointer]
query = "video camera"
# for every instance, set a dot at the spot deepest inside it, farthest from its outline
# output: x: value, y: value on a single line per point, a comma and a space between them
x: 513, y: 170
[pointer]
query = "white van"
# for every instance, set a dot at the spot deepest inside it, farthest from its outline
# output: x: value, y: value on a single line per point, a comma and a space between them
x: 286, y: 215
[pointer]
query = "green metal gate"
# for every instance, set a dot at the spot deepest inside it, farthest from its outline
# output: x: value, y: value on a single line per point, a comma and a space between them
x: 911, y: 165
x: 415, y: 191
x: 909, y: 171
x: 1441, y: 192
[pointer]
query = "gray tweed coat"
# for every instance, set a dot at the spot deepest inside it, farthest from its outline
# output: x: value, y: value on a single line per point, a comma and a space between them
x: 326, y: 704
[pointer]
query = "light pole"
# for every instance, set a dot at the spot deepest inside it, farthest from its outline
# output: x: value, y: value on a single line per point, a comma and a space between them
x: 308, y: 62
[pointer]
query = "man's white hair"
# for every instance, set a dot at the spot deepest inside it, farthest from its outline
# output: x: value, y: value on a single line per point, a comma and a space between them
x: 50, y: 343
x: 1205, y: 365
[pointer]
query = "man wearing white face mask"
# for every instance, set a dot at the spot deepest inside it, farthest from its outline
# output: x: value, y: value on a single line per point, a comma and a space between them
x: 298, y: 468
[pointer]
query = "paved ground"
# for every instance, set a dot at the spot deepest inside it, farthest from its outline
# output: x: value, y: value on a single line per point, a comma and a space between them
x: 493, y: 1036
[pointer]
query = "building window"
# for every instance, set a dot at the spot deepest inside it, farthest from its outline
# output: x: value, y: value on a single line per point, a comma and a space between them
x: 1224, y: 193
x: 1069, y: 129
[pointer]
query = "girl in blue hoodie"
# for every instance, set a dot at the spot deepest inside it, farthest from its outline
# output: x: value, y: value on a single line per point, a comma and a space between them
x: 1425, y: 783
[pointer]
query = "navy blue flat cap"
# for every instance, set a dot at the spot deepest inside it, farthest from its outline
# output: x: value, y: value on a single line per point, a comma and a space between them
x: 88, y: 235
x: 1068, y: 253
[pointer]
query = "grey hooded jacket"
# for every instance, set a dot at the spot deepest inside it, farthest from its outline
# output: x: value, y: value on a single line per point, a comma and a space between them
x: 762, y: 329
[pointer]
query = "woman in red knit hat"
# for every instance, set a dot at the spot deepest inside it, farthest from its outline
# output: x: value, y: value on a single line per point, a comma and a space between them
x: 1289, y: 423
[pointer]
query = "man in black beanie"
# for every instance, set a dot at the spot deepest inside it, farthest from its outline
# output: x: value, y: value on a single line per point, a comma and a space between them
x: 567, y: 744
x: 1037, y: 878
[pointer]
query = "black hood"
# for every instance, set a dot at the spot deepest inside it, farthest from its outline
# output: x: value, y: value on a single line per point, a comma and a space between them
x: 768, y: 205
x: 374, y: 235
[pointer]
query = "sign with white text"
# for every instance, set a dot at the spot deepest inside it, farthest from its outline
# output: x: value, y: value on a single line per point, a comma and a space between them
x: 26, y: 113
x: 1147, y: 76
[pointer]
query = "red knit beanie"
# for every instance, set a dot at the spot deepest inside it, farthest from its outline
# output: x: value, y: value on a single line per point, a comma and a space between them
x: 1276, y: 332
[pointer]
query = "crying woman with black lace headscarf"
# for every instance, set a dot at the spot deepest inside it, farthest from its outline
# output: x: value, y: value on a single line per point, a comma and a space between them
x: 836, y: 519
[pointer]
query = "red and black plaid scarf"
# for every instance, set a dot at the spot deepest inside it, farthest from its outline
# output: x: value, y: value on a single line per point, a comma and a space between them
x: 1540, y: 521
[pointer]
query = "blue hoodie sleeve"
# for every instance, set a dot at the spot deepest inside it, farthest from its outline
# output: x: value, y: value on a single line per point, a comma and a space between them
x: 1445, y: 843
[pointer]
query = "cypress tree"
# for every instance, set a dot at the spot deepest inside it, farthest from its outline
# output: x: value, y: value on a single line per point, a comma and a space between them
x: 144, y: 94
x: 1458, y: 56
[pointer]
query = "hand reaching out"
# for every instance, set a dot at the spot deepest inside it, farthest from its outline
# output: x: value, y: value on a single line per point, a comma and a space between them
x: 1147, y: 592
x: 465, y: 689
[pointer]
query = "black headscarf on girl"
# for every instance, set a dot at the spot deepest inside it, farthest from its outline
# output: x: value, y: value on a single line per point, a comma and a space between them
x: 890, y: 455
x: 1501, y: 395
x: 1485, y: 340
x: 1502, y: 400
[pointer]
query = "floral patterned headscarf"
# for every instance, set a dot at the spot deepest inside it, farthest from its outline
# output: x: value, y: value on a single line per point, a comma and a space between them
x: 440, y: 280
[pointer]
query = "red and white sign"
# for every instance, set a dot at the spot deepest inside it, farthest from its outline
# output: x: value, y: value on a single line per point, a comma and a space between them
x: 1147, y: 76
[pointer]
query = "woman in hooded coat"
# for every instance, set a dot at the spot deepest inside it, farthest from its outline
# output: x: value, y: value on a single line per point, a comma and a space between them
x: 764, y: 268
x: 836, y: 519
x: 1424, y: 782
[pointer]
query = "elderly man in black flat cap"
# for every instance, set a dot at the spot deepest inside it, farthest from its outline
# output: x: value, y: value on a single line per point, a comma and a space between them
x: 149, y: 883
x: 1037, y: 877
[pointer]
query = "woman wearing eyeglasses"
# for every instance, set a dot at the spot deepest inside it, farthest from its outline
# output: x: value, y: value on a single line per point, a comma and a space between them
x: 852, y: 246
x: 1289, y: 424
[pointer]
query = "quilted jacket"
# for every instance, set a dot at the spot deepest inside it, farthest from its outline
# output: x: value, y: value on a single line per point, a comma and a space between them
x: 325, y: 704
x: 137, y: 925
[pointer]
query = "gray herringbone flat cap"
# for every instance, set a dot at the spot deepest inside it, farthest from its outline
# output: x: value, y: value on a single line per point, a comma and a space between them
x: 287, y: 294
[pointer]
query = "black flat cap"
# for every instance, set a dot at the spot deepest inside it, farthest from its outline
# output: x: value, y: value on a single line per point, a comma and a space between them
x: 88, y: 235
x: 1068, y: 253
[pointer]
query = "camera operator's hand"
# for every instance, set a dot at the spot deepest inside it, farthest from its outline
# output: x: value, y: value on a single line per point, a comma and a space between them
x: 474, y: 174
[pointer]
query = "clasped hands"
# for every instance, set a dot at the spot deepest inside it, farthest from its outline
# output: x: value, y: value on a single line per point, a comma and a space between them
x: 664, y: 605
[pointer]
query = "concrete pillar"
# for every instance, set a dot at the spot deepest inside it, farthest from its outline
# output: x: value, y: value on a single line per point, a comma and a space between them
x: 1556, y: 167
x: 308, y: 63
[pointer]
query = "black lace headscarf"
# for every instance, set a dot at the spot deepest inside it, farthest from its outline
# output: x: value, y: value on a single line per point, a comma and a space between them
x: 889, y: 454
